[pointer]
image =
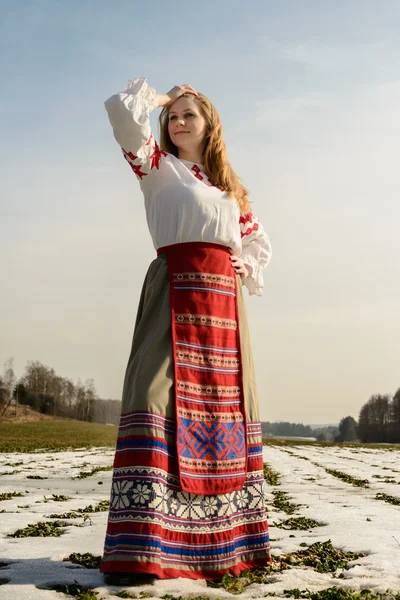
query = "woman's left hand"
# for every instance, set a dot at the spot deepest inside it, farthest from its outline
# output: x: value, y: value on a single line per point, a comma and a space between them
x: 239, y: 266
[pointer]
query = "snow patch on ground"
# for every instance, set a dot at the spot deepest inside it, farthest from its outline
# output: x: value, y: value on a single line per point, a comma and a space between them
x: 354, y: 521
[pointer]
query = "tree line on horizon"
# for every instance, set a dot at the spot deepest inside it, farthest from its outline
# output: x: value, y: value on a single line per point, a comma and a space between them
x: 287, y: 429
x: 41, y: 388
x: 378, y: 422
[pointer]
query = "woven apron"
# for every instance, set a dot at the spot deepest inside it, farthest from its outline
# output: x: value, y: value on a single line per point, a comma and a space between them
x: 208, y: 387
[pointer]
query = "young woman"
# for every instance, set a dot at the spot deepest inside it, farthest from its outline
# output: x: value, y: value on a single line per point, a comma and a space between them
x: 187, y: 495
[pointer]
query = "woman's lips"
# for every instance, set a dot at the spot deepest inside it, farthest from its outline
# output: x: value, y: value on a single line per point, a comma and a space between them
x: 179, y: 132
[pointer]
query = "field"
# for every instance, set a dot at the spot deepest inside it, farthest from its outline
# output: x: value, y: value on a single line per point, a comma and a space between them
x: 334, y: 514
x: 55, y: 435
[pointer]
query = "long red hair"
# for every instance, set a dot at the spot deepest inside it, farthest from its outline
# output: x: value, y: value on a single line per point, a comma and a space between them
x: 216, y: 164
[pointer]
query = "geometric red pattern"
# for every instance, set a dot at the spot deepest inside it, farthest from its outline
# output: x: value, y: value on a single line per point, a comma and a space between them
x: 196, y: 170
x: 249, y: 230
x: 156, y: 156
x: 135, y: 168
x: 247, y: 218
x: 211, y: 440
x: 129, y: 155
x: 205, y: 536
x: 250, y: 219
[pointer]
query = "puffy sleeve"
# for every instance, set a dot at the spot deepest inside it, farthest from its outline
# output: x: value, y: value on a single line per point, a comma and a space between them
x: 129, y: 115
x: 256, y: 252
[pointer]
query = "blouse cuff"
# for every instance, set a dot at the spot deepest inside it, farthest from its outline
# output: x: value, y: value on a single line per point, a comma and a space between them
x: 143, y: 99
x: 255, y: 280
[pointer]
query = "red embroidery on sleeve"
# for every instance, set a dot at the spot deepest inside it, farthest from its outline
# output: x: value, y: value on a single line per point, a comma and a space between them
x: 137, y: 171
x: 156, y: 156
x: 246, y: 218
x: 135, y: 168
x: 249, y: 230
x: 129, y: 155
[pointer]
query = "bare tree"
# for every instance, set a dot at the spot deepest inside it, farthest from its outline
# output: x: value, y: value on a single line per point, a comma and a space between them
x: 36, y: 378
x: 374, y: 420
x: 9, y: 378
x: 67, y: 398
x: 41, y: 388
x: 90, y: 399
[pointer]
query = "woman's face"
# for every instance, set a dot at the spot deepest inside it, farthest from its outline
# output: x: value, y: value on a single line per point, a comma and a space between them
x: 186, y: 125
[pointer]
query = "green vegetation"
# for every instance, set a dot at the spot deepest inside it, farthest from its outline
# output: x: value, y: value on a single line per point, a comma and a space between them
x: 321, y: 556
x: 270, y: 475
x: 66, y: 435
x: 84, y: 474
x: 80, y: 592
x: 385, y: 478
x: 171, y: 597
x: 59, y: 498
x: 101, y: 506
x: 335, y: 593
x: 9, y: 495
x: 41, y: 529
x: 55, y: 435
x: 281, y: 502
x: 390, y: 499
x: 348, y: 478
x: 300, y: 523
x: 86, y: 560
x: 236, y: 584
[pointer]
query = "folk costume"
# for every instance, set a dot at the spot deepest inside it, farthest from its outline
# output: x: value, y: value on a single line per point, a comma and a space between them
x: 187, y: 496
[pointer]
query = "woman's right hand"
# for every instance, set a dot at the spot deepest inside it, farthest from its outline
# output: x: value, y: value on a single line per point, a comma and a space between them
x: 174, y: 94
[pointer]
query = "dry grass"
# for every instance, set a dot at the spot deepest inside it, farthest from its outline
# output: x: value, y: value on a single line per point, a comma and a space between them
x: 55, y: 435
x: 26, y: 414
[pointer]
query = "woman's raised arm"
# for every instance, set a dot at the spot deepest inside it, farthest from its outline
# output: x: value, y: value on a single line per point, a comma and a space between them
x: 129, y: 114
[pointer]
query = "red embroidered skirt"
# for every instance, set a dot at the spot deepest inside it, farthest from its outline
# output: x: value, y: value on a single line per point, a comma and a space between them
x: 187, y: 496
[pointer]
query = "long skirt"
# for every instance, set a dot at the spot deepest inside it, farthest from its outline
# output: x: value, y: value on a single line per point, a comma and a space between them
x: 154, y: 526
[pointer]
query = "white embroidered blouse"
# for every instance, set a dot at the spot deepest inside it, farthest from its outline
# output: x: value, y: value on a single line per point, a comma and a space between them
x: 182, y: 204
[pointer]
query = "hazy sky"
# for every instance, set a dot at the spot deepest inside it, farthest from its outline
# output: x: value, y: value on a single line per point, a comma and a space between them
x: 309, y: 96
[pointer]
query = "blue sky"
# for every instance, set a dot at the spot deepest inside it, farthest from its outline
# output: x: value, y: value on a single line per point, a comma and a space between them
x: 308, y: 94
